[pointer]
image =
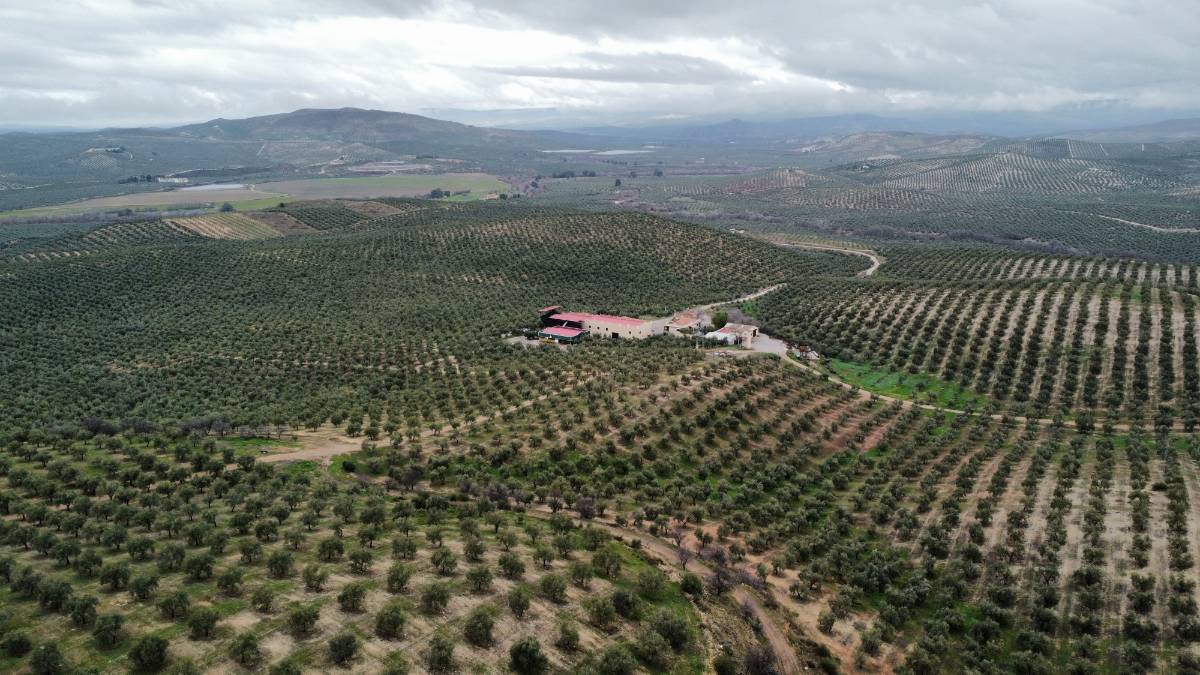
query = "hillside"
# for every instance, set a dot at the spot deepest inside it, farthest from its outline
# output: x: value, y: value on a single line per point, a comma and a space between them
x: 349, y: 125
x: 890, y: 145
x: 295, y: 440
x: 52, y: 168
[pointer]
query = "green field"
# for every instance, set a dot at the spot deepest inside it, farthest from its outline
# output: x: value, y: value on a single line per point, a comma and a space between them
x: 473, y: 185
x: 920, y: 387
x: 478, y: 185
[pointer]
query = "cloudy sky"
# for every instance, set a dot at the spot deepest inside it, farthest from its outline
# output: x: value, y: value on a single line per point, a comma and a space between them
x: 127, y: 62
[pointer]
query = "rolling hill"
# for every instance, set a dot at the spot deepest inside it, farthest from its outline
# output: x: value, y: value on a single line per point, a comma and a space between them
x: 299, y: 138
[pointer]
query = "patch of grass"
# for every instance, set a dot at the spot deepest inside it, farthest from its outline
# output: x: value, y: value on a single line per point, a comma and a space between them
x: 897, y: 384
x: 242, y: 445
x: 303, y: 467
x: 264, y: 203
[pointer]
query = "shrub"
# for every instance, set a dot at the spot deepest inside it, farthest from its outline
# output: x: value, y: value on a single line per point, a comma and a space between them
x: 143, y: 587
x: 230, y: 581
x: 477, y: 628
x: 525, y: 657
x: 616, y: 660
x: 389, y: 622
x: 109, y: 630
x: 626, y: 603
x: 518, y: 600
x: 331, y: 549
x: 825, y: 621
x: 315, y: 577
x: 568, y: 636
x: 725, y: 664
x: 149, y: 654
x: 53, y: 596
x: 553, y: 588
x: 673, y: 627
x: 17, y: 644
x: 650, y: 583
x: 396, y: 664
x: 581, y: 573
x: 444, y: 561
x: 202, y: 623
x: 601, y: 612
x: 281, y: 564
x: 82, y: 610
x: 511, y: 566
x: 175, y: 605
x: 199, y: 566
x: 440, y: 658
x: 479, y: 578
x: 398, y: 577
x: 351, y: 597
x: 692, y: 585
x: 434, y: 598
x: 758, y: 660
x: 184, y: 666
x: 286, y: 667
x: 262, y: 599
x: 342, y: 648
x: 360, y: 561
x: 48, y: 660
x: 244, y: 649
x: 607, y: 562
x: 302, y: 618
x: 651, y: 648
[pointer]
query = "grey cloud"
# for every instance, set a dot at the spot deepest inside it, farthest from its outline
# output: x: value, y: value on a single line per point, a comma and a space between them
x: 104, y: 63
x: 648, y: 68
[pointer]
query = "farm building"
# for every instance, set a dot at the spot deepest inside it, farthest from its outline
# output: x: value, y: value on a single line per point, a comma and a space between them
x: 735, y: 334
x: 685, y: 323
x: 562, y: 334
x: 600, y: 325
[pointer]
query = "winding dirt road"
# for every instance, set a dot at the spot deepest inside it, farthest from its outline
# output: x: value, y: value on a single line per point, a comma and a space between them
x: 875, y: 258
x: 1154, y: 228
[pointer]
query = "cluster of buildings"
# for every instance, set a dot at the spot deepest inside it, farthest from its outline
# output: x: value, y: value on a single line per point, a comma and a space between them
x: 571, y: 327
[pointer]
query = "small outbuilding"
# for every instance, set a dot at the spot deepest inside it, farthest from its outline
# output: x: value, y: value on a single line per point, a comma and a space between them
x: 735, y: 334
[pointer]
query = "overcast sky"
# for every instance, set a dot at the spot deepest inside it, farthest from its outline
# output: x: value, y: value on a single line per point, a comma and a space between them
x: 128, y: 62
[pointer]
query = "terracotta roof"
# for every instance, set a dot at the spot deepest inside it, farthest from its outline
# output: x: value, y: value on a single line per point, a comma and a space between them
x: 563, y: 331
x: 607, y: 318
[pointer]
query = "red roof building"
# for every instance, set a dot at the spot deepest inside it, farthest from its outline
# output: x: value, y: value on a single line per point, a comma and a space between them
x: 562, y: 334
x: 584, y: 317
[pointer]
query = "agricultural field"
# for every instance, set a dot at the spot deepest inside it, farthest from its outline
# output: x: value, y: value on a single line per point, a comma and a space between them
x: 471, y: 185
x: 1054, y: 195
x: 307, y: 437
x: 226, y: 226
x: 1089, y: 339
x: 399, y: 312
x: 459, y: 186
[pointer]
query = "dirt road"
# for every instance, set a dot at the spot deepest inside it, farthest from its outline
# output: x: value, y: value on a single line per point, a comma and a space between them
x: 666, y: 552
x: 875, y: 258
x: 1155, y: 228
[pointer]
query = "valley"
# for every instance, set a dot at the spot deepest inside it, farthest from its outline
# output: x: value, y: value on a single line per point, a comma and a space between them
x: 305, y: 434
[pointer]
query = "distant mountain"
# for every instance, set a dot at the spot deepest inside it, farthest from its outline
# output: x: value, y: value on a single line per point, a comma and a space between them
x: 350, y: 125
x: 1156, y: 132
x: 287, y: 143
x: 736, y: 130
x: 1100, y: 121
